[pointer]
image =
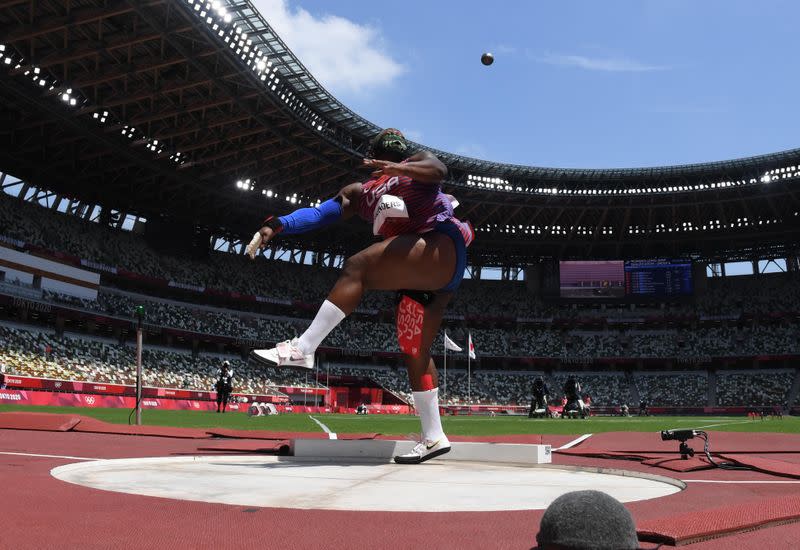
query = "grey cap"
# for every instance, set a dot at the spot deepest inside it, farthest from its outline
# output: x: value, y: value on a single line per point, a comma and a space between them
x: 587, y: 520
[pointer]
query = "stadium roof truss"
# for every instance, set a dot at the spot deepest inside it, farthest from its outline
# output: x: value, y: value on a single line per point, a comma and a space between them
x: 199, y: 110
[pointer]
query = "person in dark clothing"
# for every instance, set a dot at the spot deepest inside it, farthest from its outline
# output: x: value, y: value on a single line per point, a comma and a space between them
x: 574, y: 406
x: 539, y: 399
x: 224, y: 386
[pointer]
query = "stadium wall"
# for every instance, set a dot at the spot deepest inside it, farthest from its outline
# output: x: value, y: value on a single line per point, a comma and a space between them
x: 48, y: 275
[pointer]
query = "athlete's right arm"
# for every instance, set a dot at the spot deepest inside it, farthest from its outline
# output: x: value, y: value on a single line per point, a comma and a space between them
x: 423, y: 167
x: 344, y: 205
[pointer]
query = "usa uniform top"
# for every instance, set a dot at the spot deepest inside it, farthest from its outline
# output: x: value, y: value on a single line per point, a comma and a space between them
x: 426, y: 204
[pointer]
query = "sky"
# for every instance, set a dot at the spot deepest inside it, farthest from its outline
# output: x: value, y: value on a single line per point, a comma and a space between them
x: 586, y: 84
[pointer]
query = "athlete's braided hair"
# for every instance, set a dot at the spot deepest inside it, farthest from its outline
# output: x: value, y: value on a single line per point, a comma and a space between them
x: 390, y: 144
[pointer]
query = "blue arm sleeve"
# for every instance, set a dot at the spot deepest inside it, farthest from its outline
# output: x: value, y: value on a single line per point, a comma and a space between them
x: 309, y: 219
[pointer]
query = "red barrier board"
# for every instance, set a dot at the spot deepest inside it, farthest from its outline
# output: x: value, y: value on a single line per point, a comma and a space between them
x: 24, y: 382
x: 22, y: 397
x: 300, y: 409
x: 291, y: 390
x: 479, y: 409
x: 32, y: 383
x: 47, y: 384
x: 373, y: 409
x: 91, y: 387
x: 388, y: 409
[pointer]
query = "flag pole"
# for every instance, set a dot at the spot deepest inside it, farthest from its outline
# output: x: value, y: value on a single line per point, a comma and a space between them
x: 469, y: 370
x: 316, y: 379
x: 445, y: 366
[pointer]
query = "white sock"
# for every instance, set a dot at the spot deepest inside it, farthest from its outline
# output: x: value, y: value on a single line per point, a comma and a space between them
x: 427, y: 405
x: 326, y: 320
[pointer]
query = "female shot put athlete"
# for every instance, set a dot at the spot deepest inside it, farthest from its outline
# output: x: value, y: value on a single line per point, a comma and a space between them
x: 422, y: 254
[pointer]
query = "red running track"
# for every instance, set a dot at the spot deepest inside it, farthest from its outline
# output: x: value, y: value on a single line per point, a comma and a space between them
x: 39, y: 511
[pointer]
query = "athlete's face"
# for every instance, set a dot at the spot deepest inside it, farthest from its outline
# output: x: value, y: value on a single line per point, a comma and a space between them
x: 390, y: 145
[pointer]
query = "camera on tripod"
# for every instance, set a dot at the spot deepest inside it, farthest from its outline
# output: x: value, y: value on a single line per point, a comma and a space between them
x: 677, y: 435
x: 683, y: 436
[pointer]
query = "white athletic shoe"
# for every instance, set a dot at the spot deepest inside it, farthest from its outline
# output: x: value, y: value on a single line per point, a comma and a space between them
x: 285, y: 354
x: 424, y: 450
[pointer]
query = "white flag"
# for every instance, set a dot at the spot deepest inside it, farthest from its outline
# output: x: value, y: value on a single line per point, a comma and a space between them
x: 471, y: 347
x: 449, y: 344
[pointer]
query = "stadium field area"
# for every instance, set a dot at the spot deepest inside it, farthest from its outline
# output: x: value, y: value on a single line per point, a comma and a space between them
x: 402, y: 425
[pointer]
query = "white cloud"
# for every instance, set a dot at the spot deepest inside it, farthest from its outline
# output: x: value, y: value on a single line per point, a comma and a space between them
x: 505, y: 49
x: 609, y: 64
x: 474, y: 150
x: 344, y: 56
x: 413, y: 135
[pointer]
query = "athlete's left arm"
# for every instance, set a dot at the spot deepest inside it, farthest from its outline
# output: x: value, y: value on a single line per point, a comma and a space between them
x: 423, y: 167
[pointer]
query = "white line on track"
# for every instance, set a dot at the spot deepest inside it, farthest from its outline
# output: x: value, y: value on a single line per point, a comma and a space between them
x: 49, y: 456
x: 331, y: 435
x: 721, y: 424
x: 574, y: 442
x: 737, y: 482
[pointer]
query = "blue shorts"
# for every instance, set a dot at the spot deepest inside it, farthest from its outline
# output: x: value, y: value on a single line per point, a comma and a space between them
x: 451, y: 230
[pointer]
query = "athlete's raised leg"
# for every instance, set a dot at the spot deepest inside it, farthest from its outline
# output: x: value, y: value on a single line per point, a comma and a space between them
x: 414, y: 262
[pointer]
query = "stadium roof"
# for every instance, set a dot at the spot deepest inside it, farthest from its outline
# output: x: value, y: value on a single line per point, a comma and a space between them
x: 198, y: 111
x: 346, y: 125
